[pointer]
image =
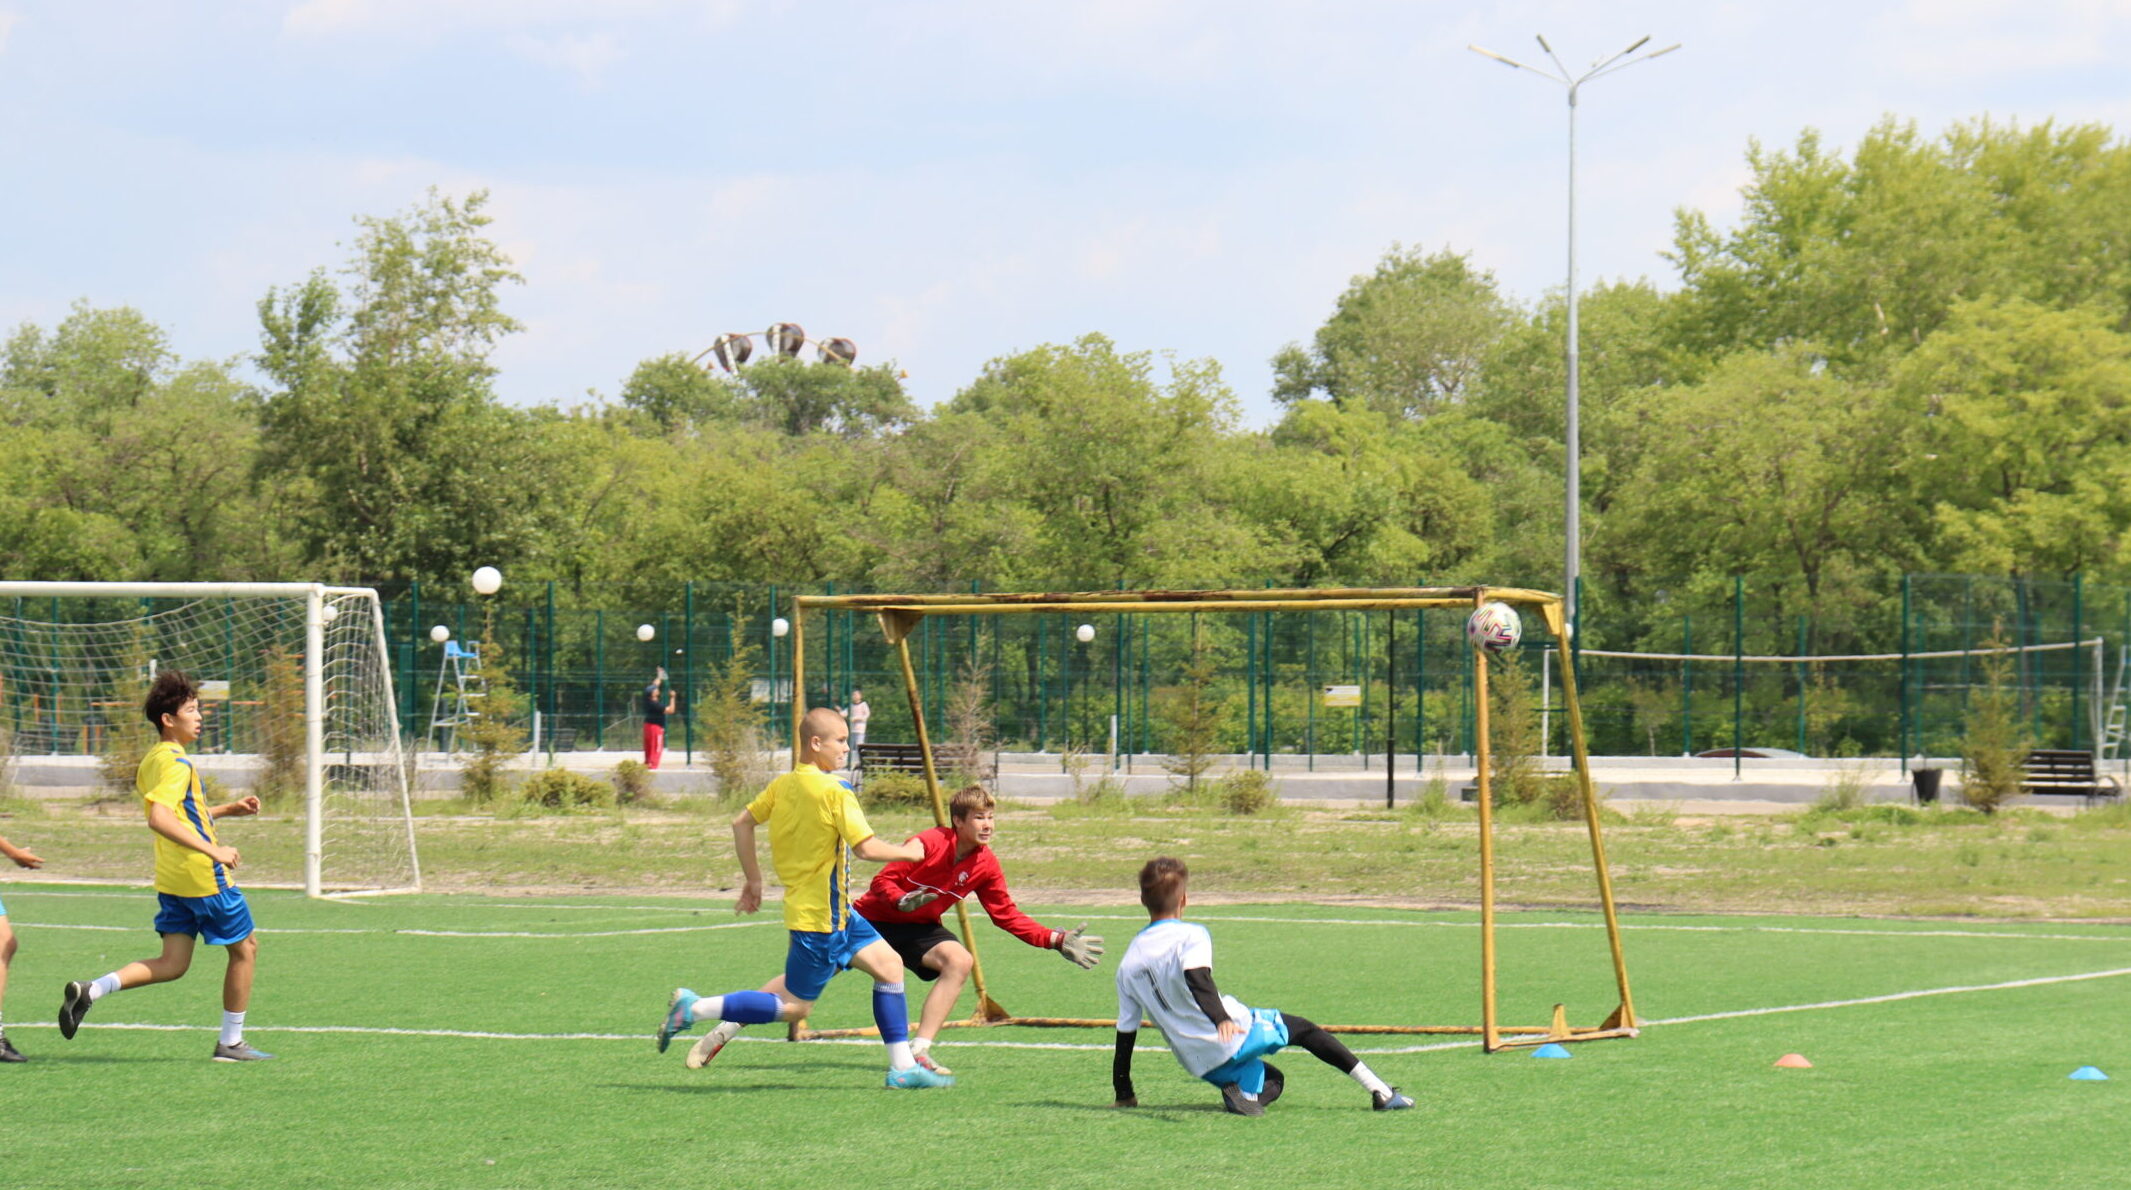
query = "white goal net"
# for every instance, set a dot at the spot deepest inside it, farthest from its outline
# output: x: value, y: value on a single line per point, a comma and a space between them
x: 295, y: 682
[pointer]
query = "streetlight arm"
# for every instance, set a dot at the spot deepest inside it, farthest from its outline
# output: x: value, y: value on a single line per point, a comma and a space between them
x: 1514, y: 64
x: 1631, y: 62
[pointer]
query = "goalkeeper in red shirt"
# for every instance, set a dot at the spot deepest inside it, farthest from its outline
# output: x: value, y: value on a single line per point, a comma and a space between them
x: 907, y: 900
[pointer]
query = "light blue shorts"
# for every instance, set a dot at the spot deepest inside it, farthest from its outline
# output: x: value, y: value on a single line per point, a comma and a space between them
x: 814, y: 958
x: 219, y: 920
x: 1267, y: 1035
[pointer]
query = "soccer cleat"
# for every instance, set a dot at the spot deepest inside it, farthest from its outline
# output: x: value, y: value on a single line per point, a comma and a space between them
x: 700, y: 1054
x: 74, y: 1007
x: 240, y: 1052
x: 8, y: 1052
x: 925, y: 1059
x: 1235, y: 1102
x: 913, y: 1077
x: 1390, y: 1100
x: 677, y: 1019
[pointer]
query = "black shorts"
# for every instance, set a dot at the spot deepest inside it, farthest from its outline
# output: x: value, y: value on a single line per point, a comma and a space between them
x: 913, y: 941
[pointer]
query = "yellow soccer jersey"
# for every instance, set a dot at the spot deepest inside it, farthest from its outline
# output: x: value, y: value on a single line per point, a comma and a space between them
x: 814, y: 822
x: 168, y: 778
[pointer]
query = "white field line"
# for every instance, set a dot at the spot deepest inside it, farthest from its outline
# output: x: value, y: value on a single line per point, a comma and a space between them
x: 728, y: 925
x: 1735, y: 1014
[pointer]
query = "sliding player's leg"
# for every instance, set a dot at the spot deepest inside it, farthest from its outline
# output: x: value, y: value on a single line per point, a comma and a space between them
x: 1333, y: 1052
x: 7, y: 956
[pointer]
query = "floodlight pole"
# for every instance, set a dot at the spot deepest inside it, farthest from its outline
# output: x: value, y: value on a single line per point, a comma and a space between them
x: 1572, y: 521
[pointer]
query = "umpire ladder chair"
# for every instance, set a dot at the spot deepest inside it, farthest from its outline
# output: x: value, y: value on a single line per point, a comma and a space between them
x: 461, y: 671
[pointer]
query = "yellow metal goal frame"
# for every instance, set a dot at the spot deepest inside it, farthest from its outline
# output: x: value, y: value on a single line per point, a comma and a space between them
x: 899, y: 615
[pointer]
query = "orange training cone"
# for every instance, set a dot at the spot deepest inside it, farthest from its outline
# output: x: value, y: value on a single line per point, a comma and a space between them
x: 1794, y: 1062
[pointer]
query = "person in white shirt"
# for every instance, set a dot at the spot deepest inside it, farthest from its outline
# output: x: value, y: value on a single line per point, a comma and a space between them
x: 856, y: 715
x: 1167, y: 976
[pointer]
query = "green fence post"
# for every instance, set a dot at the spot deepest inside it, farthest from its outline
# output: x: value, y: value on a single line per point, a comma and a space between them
x: 1738, y: 672
x: 1904, y: 724
x: 1800, y: 669
x: 1309, y: 720
x: 688, y: 669
x: 2078, y: 653
x: 599, y: 679
x: 1686, y: 684
x: 1420, y: 686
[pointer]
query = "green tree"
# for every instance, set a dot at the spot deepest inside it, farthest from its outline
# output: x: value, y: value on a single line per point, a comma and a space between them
x: 400, y: 461
x: 2026, y: 459
x: 1404, y: 340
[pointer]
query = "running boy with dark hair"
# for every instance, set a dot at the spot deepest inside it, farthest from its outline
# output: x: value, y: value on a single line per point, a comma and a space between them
x: 1167, y: 976
x: 192, y: 876
x: 905, y: 905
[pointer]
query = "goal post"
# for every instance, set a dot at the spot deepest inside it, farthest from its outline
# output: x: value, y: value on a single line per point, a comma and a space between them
x: 72, y: 683
x: 899, y: 616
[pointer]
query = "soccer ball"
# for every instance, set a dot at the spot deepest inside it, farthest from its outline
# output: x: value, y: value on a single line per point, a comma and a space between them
x: 1494, y: 628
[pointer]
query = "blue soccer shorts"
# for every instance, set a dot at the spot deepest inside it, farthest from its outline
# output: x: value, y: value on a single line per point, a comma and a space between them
x: 814, y: 958
x: 3, y: 908
x: 220, y: 920
x: 1267, y: 1035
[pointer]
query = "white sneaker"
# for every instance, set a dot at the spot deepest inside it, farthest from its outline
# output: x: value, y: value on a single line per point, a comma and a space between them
x: 707, y: 1048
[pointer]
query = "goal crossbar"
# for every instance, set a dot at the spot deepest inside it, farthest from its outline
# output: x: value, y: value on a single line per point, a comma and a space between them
x: 899, y: 615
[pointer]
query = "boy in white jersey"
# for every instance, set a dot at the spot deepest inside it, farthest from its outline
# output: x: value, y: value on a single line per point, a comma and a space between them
x: 1167, y: 976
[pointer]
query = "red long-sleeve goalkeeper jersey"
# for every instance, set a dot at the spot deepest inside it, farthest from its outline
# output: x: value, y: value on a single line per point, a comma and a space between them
x: 978, y: 875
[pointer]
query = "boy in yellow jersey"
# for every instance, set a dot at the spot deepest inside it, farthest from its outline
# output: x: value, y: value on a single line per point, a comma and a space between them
x: 815, y: 827
x: 22, y: 859
x: 192, y: 876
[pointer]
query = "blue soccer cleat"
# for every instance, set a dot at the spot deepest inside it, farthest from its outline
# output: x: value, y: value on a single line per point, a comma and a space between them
x: 677, y: 1020
x: 911, y: 1078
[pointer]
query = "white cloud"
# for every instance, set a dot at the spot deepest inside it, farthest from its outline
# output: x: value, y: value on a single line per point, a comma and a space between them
x: 587, y: 56
x: 7, y: 26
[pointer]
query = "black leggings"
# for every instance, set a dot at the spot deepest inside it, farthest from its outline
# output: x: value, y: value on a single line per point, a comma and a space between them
x: 1329, y: 1049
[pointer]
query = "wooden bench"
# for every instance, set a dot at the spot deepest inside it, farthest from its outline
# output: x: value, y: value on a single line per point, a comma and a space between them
x: 889, y: 758
x: 2066, y: 770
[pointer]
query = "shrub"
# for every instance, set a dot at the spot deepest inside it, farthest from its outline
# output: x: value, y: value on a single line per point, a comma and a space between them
x: 901, y: 791
x: 1993, y: 747
x: 632, y: 783
x: 729, y: 726
x: 280, y: 729
x: 496, y: 733
x: 561, y: 789
x: 1247, y: 792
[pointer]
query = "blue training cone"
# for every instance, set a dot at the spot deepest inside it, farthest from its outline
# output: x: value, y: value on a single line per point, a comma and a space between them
x: 2089, y: 1074
x: 1551, y: 1050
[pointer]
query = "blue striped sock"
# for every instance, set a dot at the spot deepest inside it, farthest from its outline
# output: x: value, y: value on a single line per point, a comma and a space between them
x: 748, y: 1008
x: 890, y: 1012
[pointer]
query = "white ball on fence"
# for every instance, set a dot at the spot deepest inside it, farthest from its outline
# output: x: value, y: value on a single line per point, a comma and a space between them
x: 780, y: 626
x: 440, y: 634
x: 488, y: 580
x: 329, y: 612
x: 645, y: 632
x: 1084, y: 633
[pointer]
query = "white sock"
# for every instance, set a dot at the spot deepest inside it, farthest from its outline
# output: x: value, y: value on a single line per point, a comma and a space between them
x: 707, y: 1008
x: 920, y: 1045
x: 1367, y: 1078
x: 232, y: 1027
x: 104, y: 986
x: 899, y: 1056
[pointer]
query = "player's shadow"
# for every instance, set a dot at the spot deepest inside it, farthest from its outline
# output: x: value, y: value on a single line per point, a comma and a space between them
x: 1166, y: 1114
x: 727, y: 1088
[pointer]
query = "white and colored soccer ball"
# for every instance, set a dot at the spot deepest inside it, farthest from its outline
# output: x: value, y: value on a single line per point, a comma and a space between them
x: 1494, y: 628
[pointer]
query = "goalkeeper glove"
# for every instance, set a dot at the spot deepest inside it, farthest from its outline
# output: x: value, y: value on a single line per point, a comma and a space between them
x: 915, y: 899
x: 1080, y: 947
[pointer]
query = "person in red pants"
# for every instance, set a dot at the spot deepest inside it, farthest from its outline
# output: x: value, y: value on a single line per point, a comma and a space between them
x: 655, y: 714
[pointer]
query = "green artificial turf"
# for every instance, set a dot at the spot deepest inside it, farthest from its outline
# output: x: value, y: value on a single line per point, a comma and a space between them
x: 1962, y: 1088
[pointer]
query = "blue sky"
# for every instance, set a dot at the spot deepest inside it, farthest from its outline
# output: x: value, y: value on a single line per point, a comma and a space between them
x: 943, y: 182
